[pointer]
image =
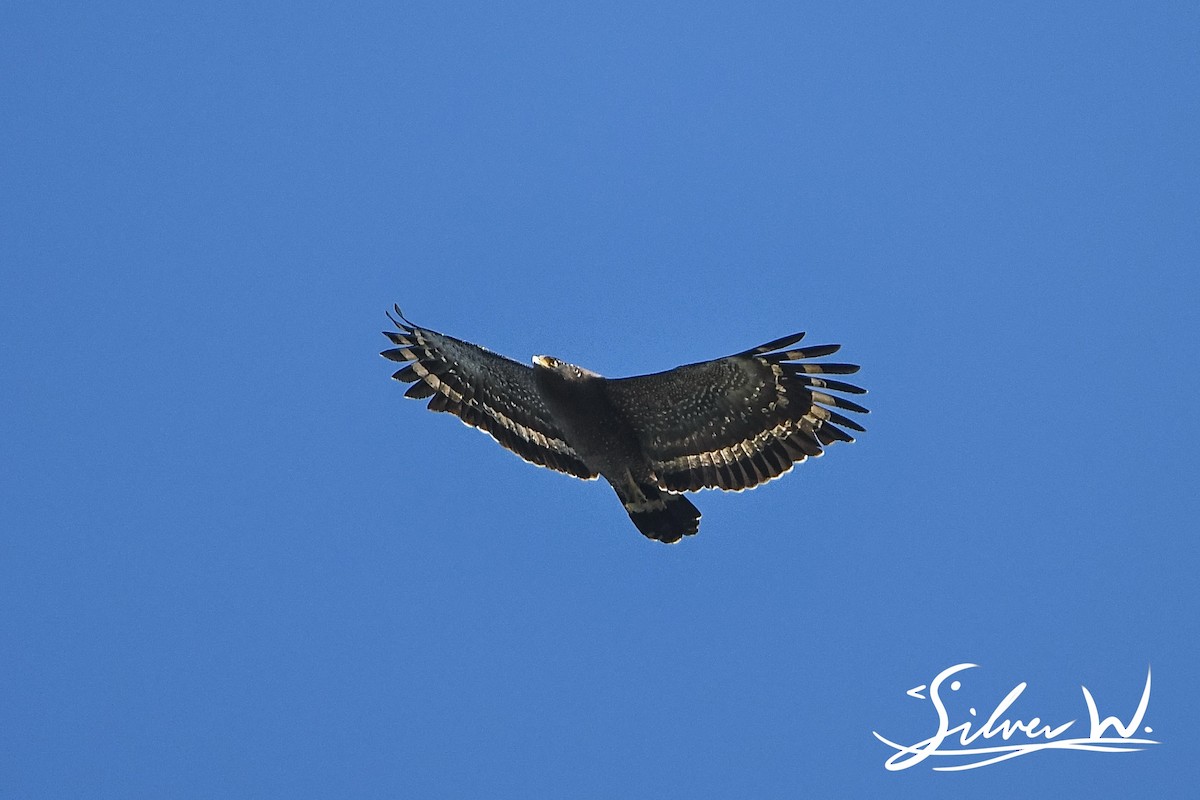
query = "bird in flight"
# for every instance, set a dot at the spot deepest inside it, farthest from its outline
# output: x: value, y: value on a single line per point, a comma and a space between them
x: 731, y: 423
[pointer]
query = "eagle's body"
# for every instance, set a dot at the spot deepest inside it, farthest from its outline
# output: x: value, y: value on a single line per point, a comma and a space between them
x: 731, y: 423
x: 609, y: 445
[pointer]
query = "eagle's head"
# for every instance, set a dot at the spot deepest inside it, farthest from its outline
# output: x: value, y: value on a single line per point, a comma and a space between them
x: 562, y: 369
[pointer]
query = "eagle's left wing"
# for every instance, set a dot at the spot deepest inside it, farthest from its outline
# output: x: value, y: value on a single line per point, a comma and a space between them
x: 484, y: 390
x: 736, y: 422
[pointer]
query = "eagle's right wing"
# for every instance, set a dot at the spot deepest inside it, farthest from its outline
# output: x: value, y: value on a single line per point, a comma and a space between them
x: 484, y: 390
x: 736, y: 422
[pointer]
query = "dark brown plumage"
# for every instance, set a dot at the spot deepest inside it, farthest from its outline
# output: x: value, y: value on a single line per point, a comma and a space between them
x: 730, y: 423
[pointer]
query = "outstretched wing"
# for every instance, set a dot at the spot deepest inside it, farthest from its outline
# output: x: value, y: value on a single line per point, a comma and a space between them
x: 738, y: 421
x: 485, y: 390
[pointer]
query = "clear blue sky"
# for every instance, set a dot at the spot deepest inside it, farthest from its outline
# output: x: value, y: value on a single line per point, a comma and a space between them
x: 236, y: 562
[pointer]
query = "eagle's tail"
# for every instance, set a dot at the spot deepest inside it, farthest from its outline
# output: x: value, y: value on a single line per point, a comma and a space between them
x: 660, y: 515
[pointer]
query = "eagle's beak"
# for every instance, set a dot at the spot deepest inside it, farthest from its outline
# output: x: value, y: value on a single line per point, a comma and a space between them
x: 542, y: 361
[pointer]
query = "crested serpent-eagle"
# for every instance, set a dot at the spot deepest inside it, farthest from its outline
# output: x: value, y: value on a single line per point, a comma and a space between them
x: 730, y: 423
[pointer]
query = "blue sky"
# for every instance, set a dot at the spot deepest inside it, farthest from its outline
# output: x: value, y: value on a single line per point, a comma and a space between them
x: 237, y: 562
